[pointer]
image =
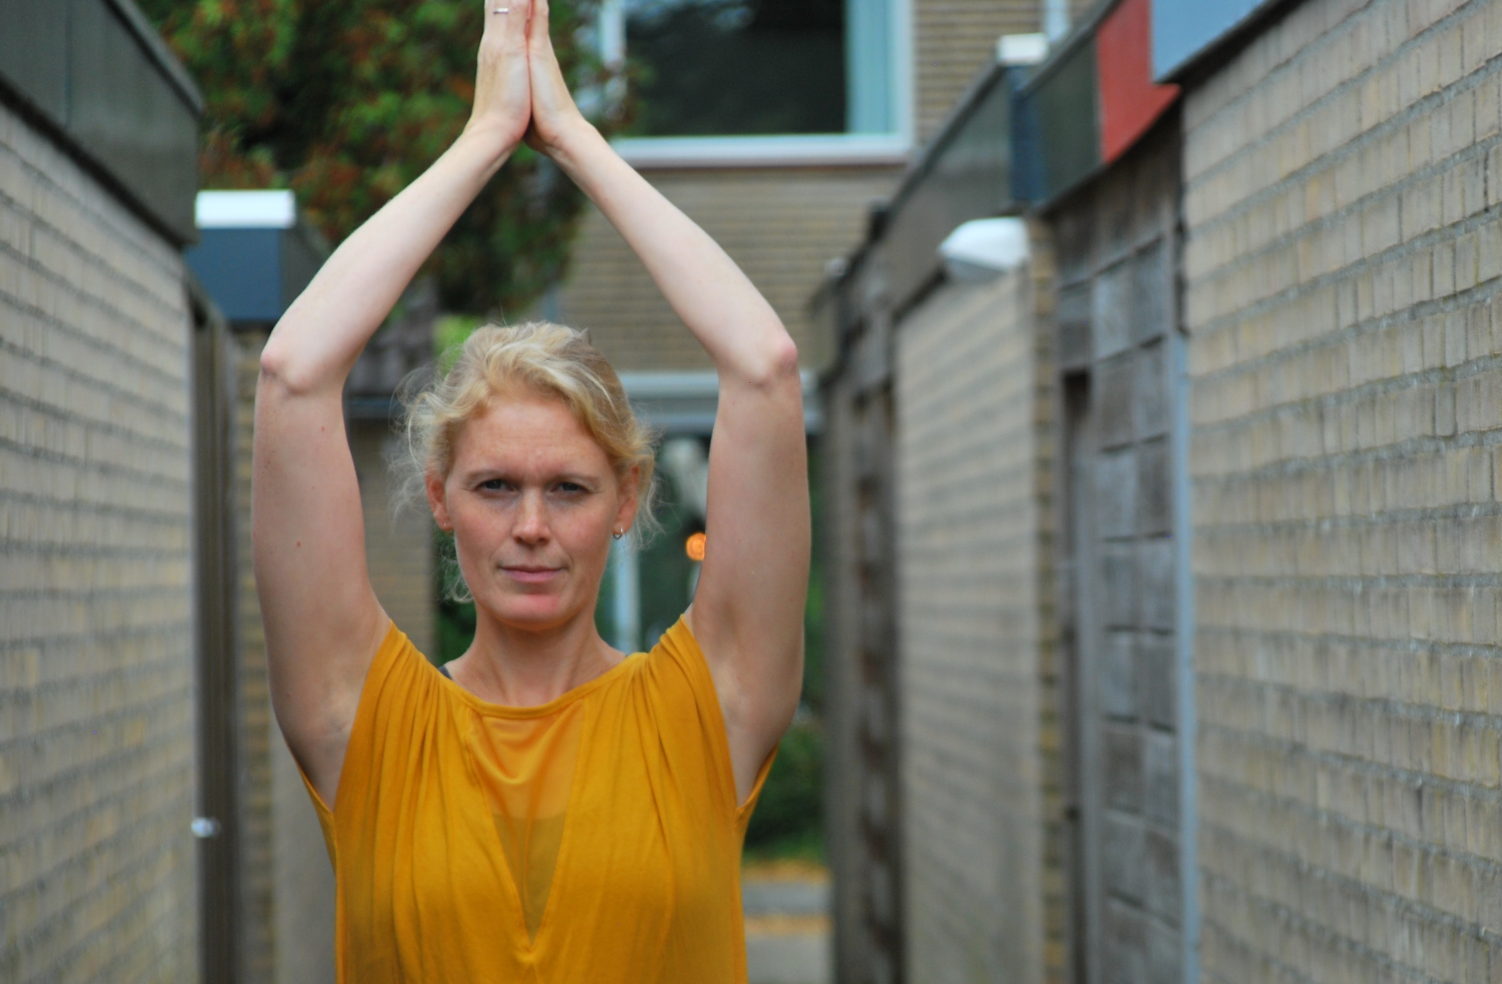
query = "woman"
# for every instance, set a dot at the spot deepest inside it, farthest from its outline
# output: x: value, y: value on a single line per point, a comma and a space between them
x: 557, y: 810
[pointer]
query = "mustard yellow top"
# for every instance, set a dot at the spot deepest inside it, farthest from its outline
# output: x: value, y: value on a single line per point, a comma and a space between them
x: 595, y: 838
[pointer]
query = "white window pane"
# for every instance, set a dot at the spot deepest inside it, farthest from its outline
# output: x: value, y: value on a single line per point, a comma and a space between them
x: 868, y: 54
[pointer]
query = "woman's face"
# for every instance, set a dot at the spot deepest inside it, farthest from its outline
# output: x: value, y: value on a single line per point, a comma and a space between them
x: 532, y: 501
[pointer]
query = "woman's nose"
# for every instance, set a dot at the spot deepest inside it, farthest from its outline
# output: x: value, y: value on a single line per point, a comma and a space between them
x: 531, y: 519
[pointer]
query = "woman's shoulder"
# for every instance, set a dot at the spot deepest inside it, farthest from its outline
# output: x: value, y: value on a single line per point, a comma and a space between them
x: 400, y: 676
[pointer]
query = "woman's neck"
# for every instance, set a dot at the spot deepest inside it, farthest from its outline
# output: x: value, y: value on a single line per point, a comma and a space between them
x: 528, y: 668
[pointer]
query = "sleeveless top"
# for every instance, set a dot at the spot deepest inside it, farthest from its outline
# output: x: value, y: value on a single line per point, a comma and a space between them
x: 594, y: 838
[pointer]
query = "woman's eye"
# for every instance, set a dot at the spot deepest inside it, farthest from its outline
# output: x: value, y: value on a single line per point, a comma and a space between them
x: 495, y: 485
x: 570, y: 488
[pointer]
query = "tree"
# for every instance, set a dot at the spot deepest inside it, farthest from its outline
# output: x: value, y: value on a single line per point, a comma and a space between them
x: 346, y: 102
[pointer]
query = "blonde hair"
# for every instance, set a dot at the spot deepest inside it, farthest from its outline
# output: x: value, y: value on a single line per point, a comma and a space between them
x: 537, y: 355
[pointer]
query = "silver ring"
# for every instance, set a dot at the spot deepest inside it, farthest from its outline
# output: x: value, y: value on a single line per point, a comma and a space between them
x: 501, y: 10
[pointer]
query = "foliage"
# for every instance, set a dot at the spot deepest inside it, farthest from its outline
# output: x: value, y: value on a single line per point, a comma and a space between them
x: 790, y: 809
x: 347, y: 102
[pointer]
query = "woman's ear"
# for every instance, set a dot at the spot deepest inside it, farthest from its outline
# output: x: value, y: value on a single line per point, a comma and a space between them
x: 630, y: 498
x: 433, y: 486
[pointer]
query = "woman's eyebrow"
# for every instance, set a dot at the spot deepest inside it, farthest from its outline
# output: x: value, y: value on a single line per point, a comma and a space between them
x: 485, y: 473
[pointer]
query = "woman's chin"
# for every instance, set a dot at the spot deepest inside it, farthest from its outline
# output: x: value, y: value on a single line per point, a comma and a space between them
x: 530, y: 612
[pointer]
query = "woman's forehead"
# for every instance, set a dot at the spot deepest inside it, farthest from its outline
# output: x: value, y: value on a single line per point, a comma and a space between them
x: 528, y: 430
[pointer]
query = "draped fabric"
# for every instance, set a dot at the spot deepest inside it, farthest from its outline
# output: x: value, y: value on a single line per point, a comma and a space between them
x: 595, y: 838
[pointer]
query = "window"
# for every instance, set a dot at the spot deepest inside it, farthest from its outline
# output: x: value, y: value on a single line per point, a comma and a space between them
x: 756, y: 80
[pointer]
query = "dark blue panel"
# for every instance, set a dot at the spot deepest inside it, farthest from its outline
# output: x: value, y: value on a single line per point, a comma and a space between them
x: 241, y: 269
x: 1185, y: 29
x: 1027, y: 151
x: 1059, y: 124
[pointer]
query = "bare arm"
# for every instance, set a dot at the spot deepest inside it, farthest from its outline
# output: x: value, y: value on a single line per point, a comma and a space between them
x: 748, y: 610
x: 323, y: 622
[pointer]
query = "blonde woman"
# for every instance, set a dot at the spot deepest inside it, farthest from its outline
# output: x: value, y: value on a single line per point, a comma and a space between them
x: 555, y: 810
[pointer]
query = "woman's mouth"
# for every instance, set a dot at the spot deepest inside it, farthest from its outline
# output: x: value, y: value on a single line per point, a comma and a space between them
x: 527, y: 574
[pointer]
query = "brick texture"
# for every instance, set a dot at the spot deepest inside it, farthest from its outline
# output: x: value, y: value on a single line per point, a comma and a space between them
x: 975, y: 633
x: 782, y: 226
x: 398, y: 543
x: 953, y: 41
x: 1345, y: 307
x: 287, y: 884
x: 97, y: 866
x: 260, y: 741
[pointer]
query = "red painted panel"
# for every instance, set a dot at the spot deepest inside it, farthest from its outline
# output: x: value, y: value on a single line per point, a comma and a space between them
x: 1129, y: 101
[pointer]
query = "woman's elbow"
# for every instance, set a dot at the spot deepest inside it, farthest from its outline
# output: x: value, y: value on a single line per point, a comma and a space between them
x: 777, y: 365
x: 283, y: 371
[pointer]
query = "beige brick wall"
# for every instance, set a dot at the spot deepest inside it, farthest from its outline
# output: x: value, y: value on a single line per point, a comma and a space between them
x: 953, y: 42
x: 782, y: 225
x: 260, y: 741
x: 399, y: 544
x: 288, y: 888
x: 97, y: 866
x: 1343, y: 295
x: 976, y: 632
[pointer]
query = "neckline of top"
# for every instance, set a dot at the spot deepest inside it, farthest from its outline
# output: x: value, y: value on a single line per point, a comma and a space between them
x: 539, y: 710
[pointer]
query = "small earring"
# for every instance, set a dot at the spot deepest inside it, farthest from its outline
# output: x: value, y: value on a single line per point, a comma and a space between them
x: 618, y: 534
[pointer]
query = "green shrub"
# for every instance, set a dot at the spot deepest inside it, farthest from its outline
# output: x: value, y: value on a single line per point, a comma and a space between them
x: 789, y: 817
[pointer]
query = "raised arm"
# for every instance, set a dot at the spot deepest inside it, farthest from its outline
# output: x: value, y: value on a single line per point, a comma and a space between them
x: 748, y: 609
x: 323, y: 622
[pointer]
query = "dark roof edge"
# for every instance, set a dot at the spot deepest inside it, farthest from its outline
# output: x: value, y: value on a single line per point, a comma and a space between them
x: 156, y: 49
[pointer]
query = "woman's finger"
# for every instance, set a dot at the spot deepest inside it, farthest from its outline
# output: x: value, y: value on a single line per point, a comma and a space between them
x: 503, y: 97
x: 506, y: 20
x: 539, y: 41
x: 544, y: 59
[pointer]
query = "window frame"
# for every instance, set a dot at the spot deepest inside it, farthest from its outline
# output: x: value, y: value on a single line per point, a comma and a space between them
x: 778, y: 149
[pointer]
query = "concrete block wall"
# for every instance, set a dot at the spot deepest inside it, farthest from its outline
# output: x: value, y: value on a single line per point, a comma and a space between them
x: 975, y: 629
x: 98, y: 877
x: 1343, y: 278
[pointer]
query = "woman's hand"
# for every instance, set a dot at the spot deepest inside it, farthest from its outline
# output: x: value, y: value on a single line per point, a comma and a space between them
x: 503, y: 94
x: 554, y: 113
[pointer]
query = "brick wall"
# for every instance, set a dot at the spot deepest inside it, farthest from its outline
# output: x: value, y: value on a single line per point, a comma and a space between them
x: 973, y: 459
x: 258, y: 734
x: 1344, y: 244
x: 399, y: 545
x: 97, y: 867
x: 781, y: 225
x: 953, y: 41
x: 287, y: 883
